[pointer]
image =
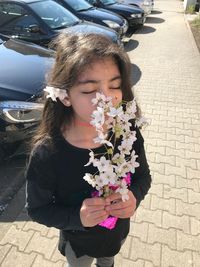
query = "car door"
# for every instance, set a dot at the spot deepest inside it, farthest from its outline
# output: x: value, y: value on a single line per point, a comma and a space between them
x: 17, y: 21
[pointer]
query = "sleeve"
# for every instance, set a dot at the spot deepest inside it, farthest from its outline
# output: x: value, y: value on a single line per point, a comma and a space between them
x: 141, y: 179
x: 40, y: 195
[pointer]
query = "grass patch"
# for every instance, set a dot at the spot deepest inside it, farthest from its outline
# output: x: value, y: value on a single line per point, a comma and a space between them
x: 196, y: 22
x: 190, y: 9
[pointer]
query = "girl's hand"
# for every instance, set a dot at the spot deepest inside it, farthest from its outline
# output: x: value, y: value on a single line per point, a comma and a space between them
x: 93, y: 211
x: 121, y: 209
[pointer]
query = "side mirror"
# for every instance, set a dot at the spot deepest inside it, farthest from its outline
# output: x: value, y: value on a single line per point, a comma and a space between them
x: 34, y: 28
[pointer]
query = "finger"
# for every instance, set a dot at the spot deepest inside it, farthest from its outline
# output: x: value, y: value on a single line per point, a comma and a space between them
x: 95, y: 208
x: 117, y: 206
x: 123, y: 213
x: 98, y: 214
x: 113, y: 197
x: 101, y: 219
x: 96, y: 201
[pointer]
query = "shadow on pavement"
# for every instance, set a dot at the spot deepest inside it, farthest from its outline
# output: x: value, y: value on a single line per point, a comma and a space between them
x: 154, y: 20
x: 131, y: 45
x: 145, y: 30
x: 156, y: 12
x: 135, y: 74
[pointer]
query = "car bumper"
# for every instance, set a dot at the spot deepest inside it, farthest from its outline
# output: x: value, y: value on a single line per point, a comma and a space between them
x: 136, y: 21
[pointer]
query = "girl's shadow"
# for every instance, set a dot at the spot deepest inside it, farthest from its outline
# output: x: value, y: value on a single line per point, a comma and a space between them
x: 135, y: 74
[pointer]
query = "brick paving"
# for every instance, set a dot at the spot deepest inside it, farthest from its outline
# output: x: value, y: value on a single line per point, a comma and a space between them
x: 165, y: 230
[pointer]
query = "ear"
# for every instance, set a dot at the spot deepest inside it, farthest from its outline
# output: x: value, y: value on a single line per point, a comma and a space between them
x: 66, y: 102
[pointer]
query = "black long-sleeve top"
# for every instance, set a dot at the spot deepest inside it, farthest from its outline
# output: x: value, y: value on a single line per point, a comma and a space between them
x: 56, y: 189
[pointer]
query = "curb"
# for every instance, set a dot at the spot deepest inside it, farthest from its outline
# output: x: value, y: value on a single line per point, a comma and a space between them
x: 194, y: 45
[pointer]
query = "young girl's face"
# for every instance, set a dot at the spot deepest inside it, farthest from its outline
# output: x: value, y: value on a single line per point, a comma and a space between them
x: 101, y: 76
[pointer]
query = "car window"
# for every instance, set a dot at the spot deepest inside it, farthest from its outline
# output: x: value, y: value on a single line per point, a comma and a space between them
x: 78, y: 5
x: 108, y: 2
x: 53, y: 14
x: 14, y: 19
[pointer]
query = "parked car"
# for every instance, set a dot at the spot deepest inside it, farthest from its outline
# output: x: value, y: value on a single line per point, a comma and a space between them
x: 146, y: 5
x: 22, y: 77
x: 39, y: 21
x: 84, y: 11
x: 134, y: 15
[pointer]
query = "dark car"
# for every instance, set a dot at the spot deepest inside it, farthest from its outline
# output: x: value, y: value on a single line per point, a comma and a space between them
x: 84, y: 11
x: 134, y: 15
x: 22, y: 77
x: 39, y: 21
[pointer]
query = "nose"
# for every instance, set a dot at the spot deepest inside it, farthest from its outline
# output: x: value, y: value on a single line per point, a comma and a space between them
x: 105, y: 91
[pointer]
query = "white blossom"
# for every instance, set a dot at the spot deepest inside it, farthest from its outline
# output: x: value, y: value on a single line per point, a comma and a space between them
x: 120, y: 160
x: 54, y: 93
x: 89, y: 178
x: 91, y: 159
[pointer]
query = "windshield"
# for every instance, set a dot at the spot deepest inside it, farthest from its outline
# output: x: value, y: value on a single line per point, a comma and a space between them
x: 54, y: 15
x: 108, y: 2
x: 79, y: 5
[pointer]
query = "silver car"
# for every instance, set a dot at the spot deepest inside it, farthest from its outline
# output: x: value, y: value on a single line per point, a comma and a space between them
x: 146, y: 5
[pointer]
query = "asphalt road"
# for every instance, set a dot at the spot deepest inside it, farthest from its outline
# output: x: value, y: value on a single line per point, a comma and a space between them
x: 11, y: 180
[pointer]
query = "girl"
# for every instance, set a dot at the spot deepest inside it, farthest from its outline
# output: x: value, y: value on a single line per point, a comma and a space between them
x: 57, y: 194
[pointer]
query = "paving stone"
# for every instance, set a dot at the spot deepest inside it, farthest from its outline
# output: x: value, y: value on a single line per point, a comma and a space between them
x: 185, y: 162
x: 156, y: 189
x: 46, y: 247
x: 18, y: 259
x: 40, y: 261
x: 125, y: 249
x: 162, y: 236
x: 57, y: 256
x: 193, y: 197
x: 176, y: 193
x: 150, y: 216
x: 175, y: 138
x: 187, y: 242
x: 175, y: 258
x: 153, y: 148
x: 163, y: 204
x: 3, y: 251
x: 175, y: 152
x: 139, y: 230
x: 146, y: 202
x: 164, y: 179
x: 141, y: 250
x: 53, y: 232
x: 36, y: 227
x: 186, y: 183
x: 195, y: 226
x: 176, y: 222
x: 196, y: 259
x: 188, y: 209
x: 130, y: 263
x: 193, y: 174
x: 167, y: 143
x: 165, y: 159
x: 17, y: 237
x: 173, y: 170
x: 192, y: 155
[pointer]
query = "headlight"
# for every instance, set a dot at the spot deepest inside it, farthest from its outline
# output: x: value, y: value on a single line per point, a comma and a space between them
x: 111, y: 24
x: 146, y: 3
x: 20, y: 112
x: 136, y: 15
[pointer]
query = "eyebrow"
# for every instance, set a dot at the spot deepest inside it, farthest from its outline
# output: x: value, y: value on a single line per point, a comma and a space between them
x: 118, y: 77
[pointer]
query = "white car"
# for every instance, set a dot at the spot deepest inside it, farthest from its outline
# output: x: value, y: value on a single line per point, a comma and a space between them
x: 146, y: 5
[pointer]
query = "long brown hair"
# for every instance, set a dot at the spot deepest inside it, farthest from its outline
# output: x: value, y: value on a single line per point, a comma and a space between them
x: 74, y: 52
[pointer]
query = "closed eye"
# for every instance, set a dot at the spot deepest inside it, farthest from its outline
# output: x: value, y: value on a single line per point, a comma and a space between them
x: 90, y: 92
